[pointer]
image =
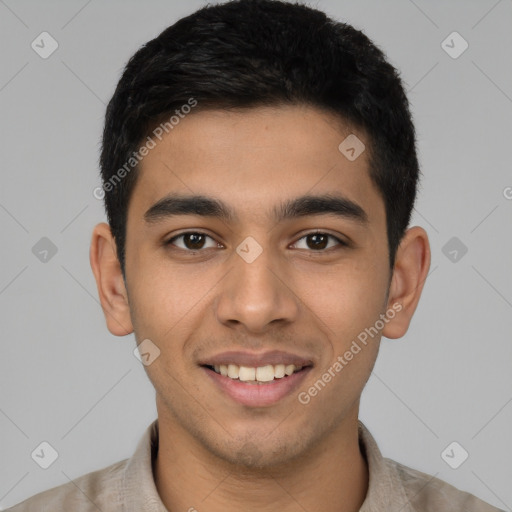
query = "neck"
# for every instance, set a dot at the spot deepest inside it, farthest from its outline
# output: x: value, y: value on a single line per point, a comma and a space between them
x: 332, y: 476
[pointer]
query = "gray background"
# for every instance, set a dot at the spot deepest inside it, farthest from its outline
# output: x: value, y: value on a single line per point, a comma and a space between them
x: 66, y: 380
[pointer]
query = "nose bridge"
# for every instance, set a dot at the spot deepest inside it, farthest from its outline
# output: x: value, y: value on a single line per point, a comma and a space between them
x: 252, y: 294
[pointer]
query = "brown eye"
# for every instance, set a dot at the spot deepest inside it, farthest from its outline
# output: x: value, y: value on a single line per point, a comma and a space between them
x: 320, y: 241
x: 191, y: 241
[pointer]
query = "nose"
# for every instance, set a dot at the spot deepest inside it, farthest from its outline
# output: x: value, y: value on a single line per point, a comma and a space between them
x: 257, y: 293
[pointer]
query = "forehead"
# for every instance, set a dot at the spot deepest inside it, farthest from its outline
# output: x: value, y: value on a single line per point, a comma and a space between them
x: 256, y: 158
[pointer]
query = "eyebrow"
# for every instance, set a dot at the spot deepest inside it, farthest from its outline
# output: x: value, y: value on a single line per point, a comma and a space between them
x: 204, y: 206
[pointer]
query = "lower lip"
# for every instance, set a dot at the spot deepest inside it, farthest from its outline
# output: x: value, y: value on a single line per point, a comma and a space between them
x: 258, y: 395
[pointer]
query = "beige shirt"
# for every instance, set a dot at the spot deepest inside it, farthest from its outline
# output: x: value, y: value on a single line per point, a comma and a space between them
x: 128, y: 486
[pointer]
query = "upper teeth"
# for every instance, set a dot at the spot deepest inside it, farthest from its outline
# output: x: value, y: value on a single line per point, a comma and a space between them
x: 261, y: 373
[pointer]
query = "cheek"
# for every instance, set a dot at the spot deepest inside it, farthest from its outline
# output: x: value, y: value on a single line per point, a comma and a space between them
x: 166, y: 299
x: 347, y: 297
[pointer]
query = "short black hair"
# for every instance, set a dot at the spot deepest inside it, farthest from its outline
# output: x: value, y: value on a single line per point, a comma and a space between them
x: 251, y: 53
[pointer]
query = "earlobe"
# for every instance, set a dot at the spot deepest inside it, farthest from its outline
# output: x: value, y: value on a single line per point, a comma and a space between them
x: 109, y: 280
x: 411, y: 268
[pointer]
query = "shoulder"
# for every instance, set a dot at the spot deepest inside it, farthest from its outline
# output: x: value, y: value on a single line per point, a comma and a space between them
x: 426, y: 493
x: 98, y: 490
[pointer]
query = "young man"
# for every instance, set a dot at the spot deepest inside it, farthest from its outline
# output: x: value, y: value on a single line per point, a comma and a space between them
x: 259, y: 171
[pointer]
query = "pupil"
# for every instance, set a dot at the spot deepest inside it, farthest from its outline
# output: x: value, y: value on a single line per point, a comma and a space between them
x: 194, y: 240
x: 316, y: 238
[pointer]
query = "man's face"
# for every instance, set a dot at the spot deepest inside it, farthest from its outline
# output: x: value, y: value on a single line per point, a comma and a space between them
x: 234, y: 289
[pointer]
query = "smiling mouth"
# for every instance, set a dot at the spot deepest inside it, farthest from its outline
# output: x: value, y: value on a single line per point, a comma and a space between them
x: 256, y: 375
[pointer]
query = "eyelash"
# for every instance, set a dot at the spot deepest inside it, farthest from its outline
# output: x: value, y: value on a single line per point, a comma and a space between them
x: 181, y: 235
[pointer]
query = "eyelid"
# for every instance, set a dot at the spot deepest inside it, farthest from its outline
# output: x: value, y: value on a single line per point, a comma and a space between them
x: 189, y: 232
x: 340, y: 241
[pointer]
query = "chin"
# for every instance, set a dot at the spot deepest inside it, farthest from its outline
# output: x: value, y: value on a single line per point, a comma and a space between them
x: 261, y: 452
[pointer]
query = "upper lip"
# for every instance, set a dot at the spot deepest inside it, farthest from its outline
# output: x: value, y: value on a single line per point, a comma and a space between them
x: 252, y: 360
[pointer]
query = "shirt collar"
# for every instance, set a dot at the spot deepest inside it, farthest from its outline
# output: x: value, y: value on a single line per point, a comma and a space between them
x: 139, y: 492
x: 385, y: 488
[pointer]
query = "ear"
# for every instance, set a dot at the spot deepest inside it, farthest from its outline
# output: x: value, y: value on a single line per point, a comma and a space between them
x: 109, y: 280
x: 411, y: 268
